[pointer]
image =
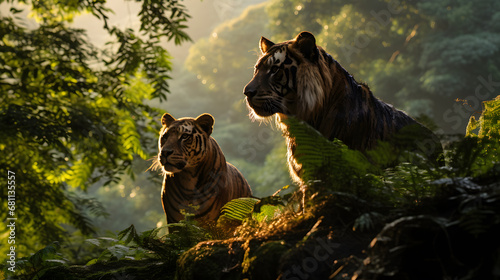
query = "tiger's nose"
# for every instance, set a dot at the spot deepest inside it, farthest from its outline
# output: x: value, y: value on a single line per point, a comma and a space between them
x: 249, y: 90
x: 250, y: 93
x: 164, y: 154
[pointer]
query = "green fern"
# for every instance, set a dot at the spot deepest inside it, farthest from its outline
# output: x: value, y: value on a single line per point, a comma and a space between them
x: 130, y: 137
x: 236, y: 210
x: 313, y: 151
x: 78, y: 174
x: 131, y: 244
x: 330, y: 163
x: 84, y: 209
x: 242, y: 209
x: 409, y: 184
x: 131, y: 235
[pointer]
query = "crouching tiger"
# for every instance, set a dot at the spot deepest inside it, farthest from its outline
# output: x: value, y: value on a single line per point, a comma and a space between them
x: 197, y: 177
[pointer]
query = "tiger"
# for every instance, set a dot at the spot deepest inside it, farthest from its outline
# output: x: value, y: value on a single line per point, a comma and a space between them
x: 298, y: 78
x: 197, y: 178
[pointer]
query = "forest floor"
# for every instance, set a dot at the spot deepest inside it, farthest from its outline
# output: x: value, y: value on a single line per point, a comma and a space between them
x: 453, y: 235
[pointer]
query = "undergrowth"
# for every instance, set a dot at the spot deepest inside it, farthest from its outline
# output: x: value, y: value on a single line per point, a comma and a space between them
x: 338, y: 180
x: 127, y: 245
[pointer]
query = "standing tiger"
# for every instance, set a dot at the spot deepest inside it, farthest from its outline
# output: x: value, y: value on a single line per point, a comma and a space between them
x: 298, y: 78
x: 197, y: 177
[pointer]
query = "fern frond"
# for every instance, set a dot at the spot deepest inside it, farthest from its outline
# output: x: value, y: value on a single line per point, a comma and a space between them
x: 322, y: 159
x: 78, y: 174
x: 85, y: 203
x: 238, y: 209
x: 81, y: 221
x: 130, y: 137
x: 131, y: 235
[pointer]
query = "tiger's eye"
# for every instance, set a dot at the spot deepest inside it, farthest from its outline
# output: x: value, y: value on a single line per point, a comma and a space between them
x: 274, y: 69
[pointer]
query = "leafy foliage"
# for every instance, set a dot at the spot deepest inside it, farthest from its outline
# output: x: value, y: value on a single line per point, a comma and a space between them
x: 332, y: 167
x: 488, y: 125
x: 267, y: 213
x: 154, y: 20
x: 127, y: 245
x: 34, y: 266
x: 168, y: 247
x: 329, y: 163
x: 72, y: 114
x: 236, y: 210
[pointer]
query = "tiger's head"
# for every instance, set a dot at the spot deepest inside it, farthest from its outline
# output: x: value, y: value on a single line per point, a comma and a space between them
x: 183, y: 142
x: 289, y: 78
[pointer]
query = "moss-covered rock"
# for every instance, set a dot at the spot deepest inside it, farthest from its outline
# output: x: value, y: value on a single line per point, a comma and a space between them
x: 211, y: 260
x: 263, y: 262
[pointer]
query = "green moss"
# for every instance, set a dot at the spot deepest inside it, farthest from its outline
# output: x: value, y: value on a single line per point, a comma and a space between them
x: 264, y: 262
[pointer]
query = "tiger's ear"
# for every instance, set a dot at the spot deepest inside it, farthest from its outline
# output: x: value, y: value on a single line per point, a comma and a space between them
x: 206, y: 122
x: 306, y: 44
x: 167, y: 119
x: 265, y: 44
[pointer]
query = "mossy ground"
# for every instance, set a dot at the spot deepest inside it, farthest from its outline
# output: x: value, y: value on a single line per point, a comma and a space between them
x: 452, y: 235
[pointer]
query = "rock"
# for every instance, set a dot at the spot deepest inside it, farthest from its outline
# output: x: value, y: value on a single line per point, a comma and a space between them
x: 210, y: 261
x: 263, y: 262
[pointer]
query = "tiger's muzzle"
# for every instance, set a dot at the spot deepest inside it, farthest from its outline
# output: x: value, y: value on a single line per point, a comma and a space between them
x: 261, y: 105
x: 171, y: 163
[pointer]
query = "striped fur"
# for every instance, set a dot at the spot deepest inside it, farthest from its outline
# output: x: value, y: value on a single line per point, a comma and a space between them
x: 300, y: 79
x: 197, y: 177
